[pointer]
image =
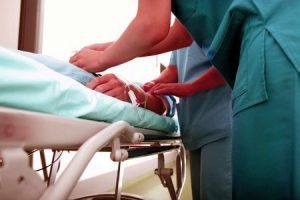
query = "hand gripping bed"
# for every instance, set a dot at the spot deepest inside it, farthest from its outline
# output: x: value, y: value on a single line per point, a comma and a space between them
x: 41, y: 109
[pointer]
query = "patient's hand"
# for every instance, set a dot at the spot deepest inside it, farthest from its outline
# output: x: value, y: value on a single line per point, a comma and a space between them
x: 110, y: 85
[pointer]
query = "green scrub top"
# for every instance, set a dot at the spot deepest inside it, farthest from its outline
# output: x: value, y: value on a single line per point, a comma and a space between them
x: 201, y: 17
x: 256, y: 46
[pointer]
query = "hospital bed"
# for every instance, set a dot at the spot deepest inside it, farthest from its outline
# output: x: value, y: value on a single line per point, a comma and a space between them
x: 24, y: 131
x: 36, y: 114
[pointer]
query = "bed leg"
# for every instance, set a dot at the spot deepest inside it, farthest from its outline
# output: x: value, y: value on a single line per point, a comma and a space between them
x: 180, y: 170
x: 43, y: 162
x: 54, y: 167
x: 165, y: 176
x: 119, y: 181
x: 17, y: 179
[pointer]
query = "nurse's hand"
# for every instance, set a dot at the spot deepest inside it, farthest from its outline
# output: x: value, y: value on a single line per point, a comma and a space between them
x: 176, y: 89
x: 98, y: 46
x: 147, y: 86
x: 89, y: 60
x: 169, y: 75
x: 110, y: 85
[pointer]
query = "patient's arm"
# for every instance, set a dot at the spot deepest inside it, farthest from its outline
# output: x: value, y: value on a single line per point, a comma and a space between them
x: 111, y: 85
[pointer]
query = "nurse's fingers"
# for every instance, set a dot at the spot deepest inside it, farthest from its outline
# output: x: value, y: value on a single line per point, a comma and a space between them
x: 76, y: 63
x: 147, y: 86
x: 163, y: 91
x: 73, y: 58
x: 153, y: 88
x: 76, y: 55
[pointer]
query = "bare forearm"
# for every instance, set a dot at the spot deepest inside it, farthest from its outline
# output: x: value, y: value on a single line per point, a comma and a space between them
x: 99, y: 46
x: 178, y: 37
x: 169, y: 75
x: 141, y: 34
x: 209, y: 80
x: 129, y: 46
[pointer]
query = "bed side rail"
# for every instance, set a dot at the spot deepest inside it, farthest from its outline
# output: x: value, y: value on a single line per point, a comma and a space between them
x: 19, y: 181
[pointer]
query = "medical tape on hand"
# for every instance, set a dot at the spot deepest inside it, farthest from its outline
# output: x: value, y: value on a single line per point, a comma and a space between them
x: 133, y: 98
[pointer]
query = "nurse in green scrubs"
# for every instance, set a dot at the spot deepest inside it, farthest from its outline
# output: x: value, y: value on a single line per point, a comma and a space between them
x: 255, y: 47
x: 255, y: 44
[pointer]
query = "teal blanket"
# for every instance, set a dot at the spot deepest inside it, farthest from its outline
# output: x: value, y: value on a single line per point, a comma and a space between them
x: 29, y: 84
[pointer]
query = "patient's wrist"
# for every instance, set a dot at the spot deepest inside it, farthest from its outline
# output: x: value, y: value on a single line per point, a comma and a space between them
x: 157, y: 104
x: 165, y: 104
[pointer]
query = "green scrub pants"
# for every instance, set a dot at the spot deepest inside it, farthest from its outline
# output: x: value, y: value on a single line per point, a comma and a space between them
x: 208, y: 181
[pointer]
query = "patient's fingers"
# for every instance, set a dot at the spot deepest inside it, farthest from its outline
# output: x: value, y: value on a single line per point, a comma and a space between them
x: 97, y: 81
x: 118, y: 93
x: 110, y: 85
x: 93, y: 83
x: 103, y: 88
x: 104, y: 85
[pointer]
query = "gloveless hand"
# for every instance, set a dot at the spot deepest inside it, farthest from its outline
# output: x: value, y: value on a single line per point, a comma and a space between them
x: 89, y: 60
x: 176, y: 89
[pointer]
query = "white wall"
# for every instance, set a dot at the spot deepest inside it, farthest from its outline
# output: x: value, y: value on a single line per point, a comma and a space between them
x: 9, y: 23
x: 71, y: 24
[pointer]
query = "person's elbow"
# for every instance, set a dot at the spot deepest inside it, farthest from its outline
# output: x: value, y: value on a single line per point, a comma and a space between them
x: 152, y: 30
x: 156, y: 34
x: 188, y: 40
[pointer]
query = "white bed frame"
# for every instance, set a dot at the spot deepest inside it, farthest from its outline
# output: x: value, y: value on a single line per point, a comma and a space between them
x: 24, y: 131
